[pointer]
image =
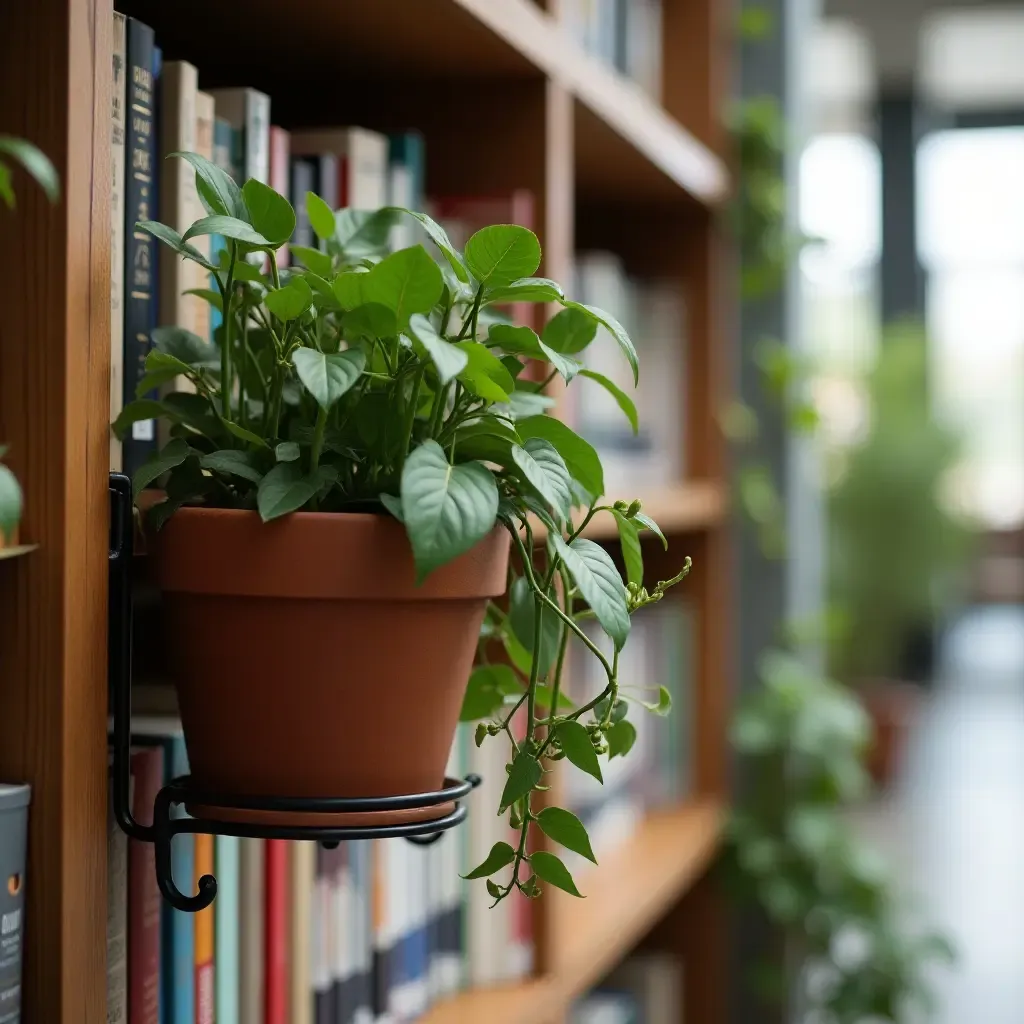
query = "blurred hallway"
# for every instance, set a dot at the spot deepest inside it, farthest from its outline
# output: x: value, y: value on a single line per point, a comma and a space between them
x: 955, y: 822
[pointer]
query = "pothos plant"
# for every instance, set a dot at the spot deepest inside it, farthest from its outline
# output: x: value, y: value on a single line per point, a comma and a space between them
x: 361, y: 379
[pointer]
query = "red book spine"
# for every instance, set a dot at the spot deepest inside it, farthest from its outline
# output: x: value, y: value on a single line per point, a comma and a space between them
x: 147, y: 769
x: 276, y: 932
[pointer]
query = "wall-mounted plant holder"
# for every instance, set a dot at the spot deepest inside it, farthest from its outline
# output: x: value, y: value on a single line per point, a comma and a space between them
x: 225, y: 814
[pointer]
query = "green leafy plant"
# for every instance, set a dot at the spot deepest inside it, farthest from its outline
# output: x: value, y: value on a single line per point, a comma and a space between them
x: 42, y: 171
x: 363, y: 379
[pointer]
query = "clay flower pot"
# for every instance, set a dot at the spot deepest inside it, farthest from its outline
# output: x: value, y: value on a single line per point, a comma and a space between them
x: 892, y: 707
x: 307, y: 661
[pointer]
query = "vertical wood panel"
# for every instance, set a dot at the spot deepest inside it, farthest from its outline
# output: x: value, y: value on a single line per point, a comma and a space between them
x: 54, y: 354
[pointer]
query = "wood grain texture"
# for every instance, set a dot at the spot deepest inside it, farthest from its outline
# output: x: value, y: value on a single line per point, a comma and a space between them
x: 54, y: 352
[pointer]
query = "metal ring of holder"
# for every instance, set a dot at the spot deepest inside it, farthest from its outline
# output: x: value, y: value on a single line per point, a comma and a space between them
x: 166, y: 824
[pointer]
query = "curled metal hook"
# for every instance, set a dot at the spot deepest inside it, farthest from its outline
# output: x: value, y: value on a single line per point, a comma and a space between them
x: 164, y: 831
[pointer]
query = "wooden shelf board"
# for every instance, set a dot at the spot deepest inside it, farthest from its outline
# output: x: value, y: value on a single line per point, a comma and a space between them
x: 681, y: 508
x: 624, y: 896
x: 16, y: 551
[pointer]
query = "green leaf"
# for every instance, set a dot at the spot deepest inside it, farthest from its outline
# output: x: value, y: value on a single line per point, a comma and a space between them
x: 174, y: 454
x: 483, y: 386
x: 564, y: 827
x: 501, y: 856
x: 447, y: 509
x: 229, y: 227
x: 523, y: 341
x: 163, y: 362
x: 644, y: 520
x: 664, y: 703
x: 233, y: 463
x: 152, y: 382
x: 407, y: 282
x: 545, y: 470
x: 394, y: 506
x: 185, y: 346
x: 133, y: 412
x: 170, y: 237
x: 449, y: 360
x: 207, y: 295
x: 524, y: 404
x: 620, y: 396
x: 579, y: 456
x: 524, y: 775
x: 543, y: 695
x: 218, y: 191
x: 481, y: 361
x: 287, y: 451
x: 521, y: 613
x: 483, y: 697
x: 10, y: 502
x: 569, y: 331
x: 361, y: 233
x: 270, y: 213
x: 36, y: 163
x: 579, y: 749
x: 440, y: 238
x: 290, y: 301
x: 632, y: 555
x: 621, y: 737
x: 502, y: 253
x: 323, y: 294
x: 284, y: 489
x: 317, y: 261
x: 245, y: 435
x: 616, y: 330
x: 599, y: 582
x: 371, y: 320
x: 348, y: 288
x: 526, y: 289
x: 619, y: 711
x: 328, y: 377
x: 551, y: 870
x: 321, y: 217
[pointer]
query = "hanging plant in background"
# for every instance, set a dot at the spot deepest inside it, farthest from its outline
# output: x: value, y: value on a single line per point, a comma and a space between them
x: 42, y: 171
x: 850, y: 954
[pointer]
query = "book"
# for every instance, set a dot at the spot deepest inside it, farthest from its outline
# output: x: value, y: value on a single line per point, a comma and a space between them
x: 118, y: 131
x: 342, y: 931
x: 280, y: 173
x: 277, y: 994
x: 14, y: 810
x: 248, y: 113
x: 177, y: 989
x: 227, y: 923
x: 654, y: 981
x: 117, y: 910
x: 606, y: 1008
x: 223, y: 157
x: 325, y: 922
x: 383, y: 935
x: 203, y: 922
x: 146, y: 767
x: 406, y: 184
x: 303, y: 880
x: 359, y: 904
x: 251, y: 927
x: 303, y: 180
x: 140, y: 300
x: 362, y: 164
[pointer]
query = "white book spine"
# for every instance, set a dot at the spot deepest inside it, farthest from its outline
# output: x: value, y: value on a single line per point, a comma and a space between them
x: 368, y: 170
x: 344, y: 964
x: 118, y: 99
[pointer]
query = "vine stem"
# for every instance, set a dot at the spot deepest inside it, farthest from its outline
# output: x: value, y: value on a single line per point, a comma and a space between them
x: 227, y: 300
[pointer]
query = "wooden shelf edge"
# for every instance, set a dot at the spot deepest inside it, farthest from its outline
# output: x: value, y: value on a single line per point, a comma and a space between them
x: 621, y: 104
x: 626, y: 894
x: 16, y: 551
x: 680, y: 508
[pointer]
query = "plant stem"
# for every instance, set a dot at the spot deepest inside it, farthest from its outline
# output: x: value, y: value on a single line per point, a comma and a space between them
x: 470, y: 324
x: 273, y: 269
x: 318, y: 439
x: 227, y: 299
x: 410, y: 422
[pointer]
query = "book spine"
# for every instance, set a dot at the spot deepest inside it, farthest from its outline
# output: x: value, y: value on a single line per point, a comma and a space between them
x: 362, y: 904
x: 363, y: 171
x: 341, y: 966
x: 280, y: 160
x: 324, y: 927
x: 117, y: 916
x: 251, y: 924
x: 303, y: 878
x: 257, y: 136
x: 303, y: 180
x: 147, y: 771
x: 140, y: 249
x: 118, y: 127
x: 227, y: 851
x: 275, y: 933
x: 383, y: 951
x: 223, y: 143
x: 179, y: 928
x: 205, y: 999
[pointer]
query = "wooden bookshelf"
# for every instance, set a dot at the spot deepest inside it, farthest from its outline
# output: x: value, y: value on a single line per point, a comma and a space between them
x: 609, y: 168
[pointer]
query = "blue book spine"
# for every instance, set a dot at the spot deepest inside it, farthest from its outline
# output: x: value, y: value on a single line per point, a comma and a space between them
x: 226, y: 936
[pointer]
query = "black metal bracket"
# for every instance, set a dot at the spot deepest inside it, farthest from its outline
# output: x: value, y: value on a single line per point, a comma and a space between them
x: 182, y: 790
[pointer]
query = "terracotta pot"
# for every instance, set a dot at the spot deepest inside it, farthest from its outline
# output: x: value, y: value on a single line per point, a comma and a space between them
x: 307, y: 661
x: 892, y: 708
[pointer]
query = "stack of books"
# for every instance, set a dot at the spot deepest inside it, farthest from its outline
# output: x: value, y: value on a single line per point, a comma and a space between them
x: 627, y: 34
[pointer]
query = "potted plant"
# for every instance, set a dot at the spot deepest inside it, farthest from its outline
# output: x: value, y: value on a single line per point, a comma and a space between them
x: 343, y: 478
x: 896, y: 552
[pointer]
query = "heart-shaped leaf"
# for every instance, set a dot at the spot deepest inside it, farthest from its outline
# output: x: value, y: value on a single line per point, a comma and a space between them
x: 229, y: 227
x: 440, y: 238
x: 171, y: 238
x: 163, y: 362
x: 407, y: 282
x: 486, y: 691
x: 565, y: 828
x: 621, y: 737
x: 550, y: 869
x: 617, y: 331
x: 524, y: 775
x: 321, y: 217
x: 599, y: 582
x: 290, y: 301
x: 483, y: 362
x: 523, y: 341
x: 10, y: 503
x: 501, y: 855
x: 284, y: 489
x: 394, y: 506
x: 244, y: 434
x: 502, y: 253
x: 579, y: 748
x: 317, y: 261
x: 348, y: 288
x: 361, y: 233
x: 185, y: 346
x: 644, y: 520
x: 624, y: 401
x: 545, y: 470
x: 233, y: 463
x: 218, y: 191
x: 664, y: 703
x: 371, y: 320
x: 328, y: 376
x: 174, y: 453
x: 135, y: 412
x: 269, y: 212
x: 569, y: 331
x: 526, y: 289
x: 632, y: 554
x: 521, y: 616
x: 579, y: 456
x: 287, y: 451
x: 447, y: 509
x: 449, y: 360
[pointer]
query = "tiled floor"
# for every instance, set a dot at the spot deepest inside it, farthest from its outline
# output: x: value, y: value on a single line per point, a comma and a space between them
x: 954, y: 823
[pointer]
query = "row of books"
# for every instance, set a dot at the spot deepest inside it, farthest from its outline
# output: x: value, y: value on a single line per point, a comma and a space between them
x: 627, y: 34
x: 646, y: 989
